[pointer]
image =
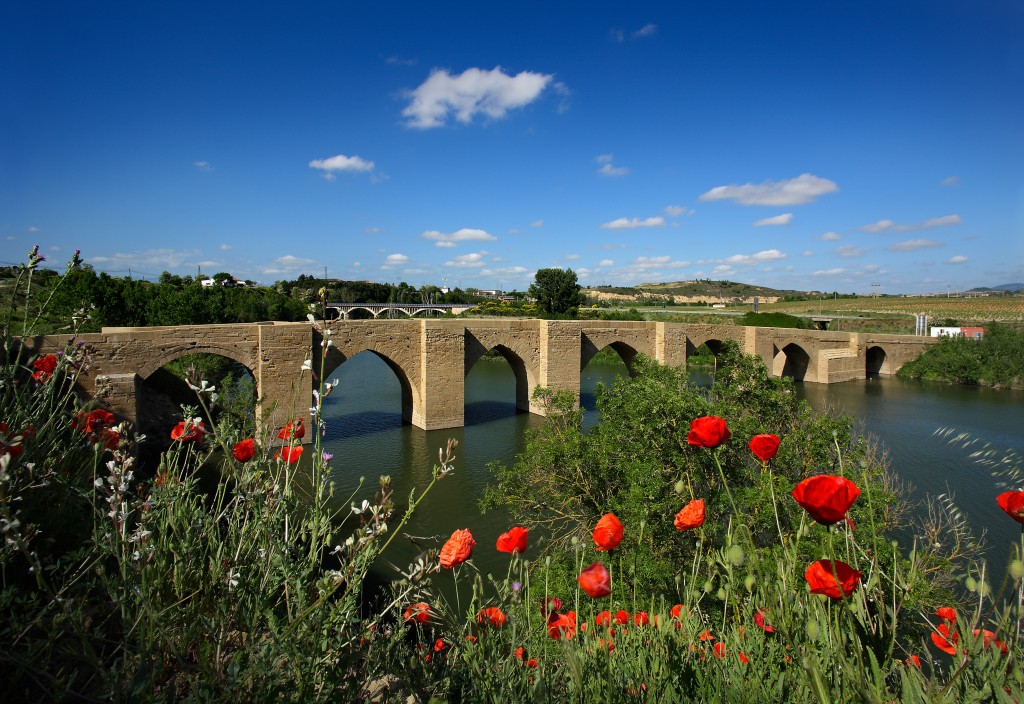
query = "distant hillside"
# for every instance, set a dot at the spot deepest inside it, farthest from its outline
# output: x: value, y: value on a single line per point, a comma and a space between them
x: 1002, y: 287
x: 698, y: 291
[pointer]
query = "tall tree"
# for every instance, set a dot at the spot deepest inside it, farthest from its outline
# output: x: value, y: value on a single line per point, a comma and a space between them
x: 557, y: 291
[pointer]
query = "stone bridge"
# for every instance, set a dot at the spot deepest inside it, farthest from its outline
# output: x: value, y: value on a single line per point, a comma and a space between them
x: 431, y: 358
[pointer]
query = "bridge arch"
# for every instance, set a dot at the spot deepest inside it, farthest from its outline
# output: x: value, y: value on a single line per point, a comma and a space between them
x: 525, y: 379
x: 876, y: 361
x: 793, y: 361
x: 411, y: 402
x: 178, y: 351
x: 625, y: 351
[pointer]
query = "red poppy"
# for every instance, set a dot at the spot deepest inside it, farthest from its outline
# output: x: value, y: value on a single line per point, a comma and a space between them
x: 826, y: 497
x: 90, y: 422
x: 290, y: 454
x: 719, y: 649
x: 678, y: 611
x: 708, y: 431
x: 764, y: 446
x: 458, y: 548
x: 187, y: 431
x: 108, y: 439
x: 562, y: 625
x: 418, y: 612
x: 491, y: 616
x: 245, y: 450
x: 604, y: 618
x: 761, y: 623
x: 552, y: 603
x: 513, y: 541
x: 44, y: 368
x: 913, y: 661
x: 295, y: 429
x: 520, y: 655
x: 822, y: 576
x: 946, y: 614
x: 743, y: 658
x: 621, y: 617
x: 595, y: 581
x: 1013, y: 503
x: 989, y: 638
x: 12, y: 445
x: 608, y: 532
x: 706, y: 635
x: 691, y: 515
x: 943, y: 640
x: 439, y: 645
x: 641, y: 618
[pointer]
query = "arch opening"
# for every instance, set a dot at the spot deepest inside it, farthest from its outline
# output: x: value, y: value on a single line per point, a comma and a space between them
x: 876, y: 362
x: 603, y: 368
x: 792, y: 361
x: 494, y: 376
x: 372, y: 394
x: 162, y: 392
x: 607, y: 354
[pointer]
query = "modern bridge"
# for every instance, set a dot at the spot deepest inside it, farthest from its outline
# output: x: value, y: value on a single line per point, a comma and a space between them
x: 432, y: 357
x: 343, y: 310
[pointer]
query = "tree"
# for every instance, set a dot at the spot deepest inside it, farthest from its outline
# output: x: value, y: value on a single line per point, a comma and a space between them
x: 557, y: 291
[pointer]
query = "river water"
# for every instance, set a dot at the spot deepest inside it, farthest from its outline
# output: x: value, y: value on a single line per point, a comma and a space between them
x: 366, y: 436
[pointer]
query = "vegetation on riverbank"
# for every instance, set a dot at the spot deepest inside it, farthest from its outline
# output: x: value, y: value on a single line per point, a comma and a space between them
x: 718, y: 545
x: 996, y: 360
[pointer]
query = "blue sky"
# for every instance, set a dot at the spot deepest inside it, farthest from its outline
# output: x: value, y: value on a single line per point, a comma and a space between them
x: 817, y: 146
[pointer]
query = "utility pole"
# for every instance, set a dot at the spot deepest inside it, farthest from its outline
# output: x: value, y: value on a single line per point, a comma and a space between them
x: 874, y: 290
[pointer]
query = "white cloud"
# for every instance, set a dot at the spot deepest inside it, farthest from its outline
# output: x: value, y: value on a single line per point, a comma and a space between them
x: 619, y: 35
x: 849, y: 251
x: 150, y: 259
x: 783, y: 219
x: 449, y: 245
x: 612, y: 170
x: 829, y: 272
x: 805, y: 188
x: 941, y: 222
x: 288, y: 264
x: 466, y: 234
x: 472, y: 92
x: 831, y: 237
x: 606, y: 262
x: 676, y: 210
x: 537, y: 223
x: 883, y: 225
x: 958, y: 259
x: 373, y: 230
x: 643, y: 264
x: 913, y: 245
x: 950, y: 181
x: 633, y: 223
x: 399, y: 61
x: 768, y: 255
x: 202, y: 165
x: 31, y: 228
x: 807, y: 253
x: 505, y: 272
x: 226, y: 248
x: 340, y: 162
x: 879, y: 226
x: 572, y: 257
x: 394, y: 260
x: 648, y: 30
x: 467, y: 261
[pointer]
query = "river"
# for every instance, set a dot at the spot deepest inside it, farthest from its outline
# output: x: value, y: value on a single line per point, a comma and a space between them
x: 367, y: 438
